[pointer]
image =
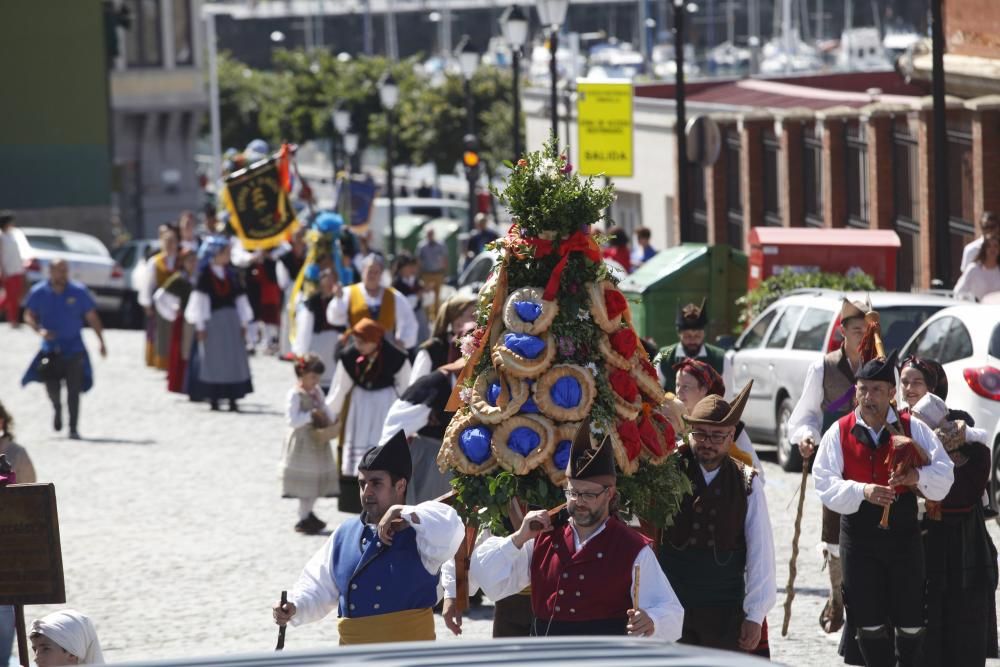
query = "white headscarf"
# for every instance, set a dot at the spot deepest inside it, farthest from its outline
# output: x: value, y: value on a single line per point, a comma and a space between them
x: 74, y: 633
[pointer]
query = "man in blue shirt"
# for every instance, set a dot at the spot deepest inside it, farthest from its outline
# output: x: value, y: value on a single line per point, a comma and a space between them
x: 56, y: 309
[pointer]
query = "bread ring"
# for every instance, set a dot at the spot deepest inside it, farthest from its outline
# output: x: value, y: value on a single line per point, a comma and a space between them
x: 646, y: 377
x: 452, y: 454
x: 513, y: 321
x: 612, y: 357
x: 556, y: 463
x: 599, y: 308
x: 625, y: 464
x: 513, y: 393
x: 545, y: 385
x: 521, y: 463
x: 516, y: 365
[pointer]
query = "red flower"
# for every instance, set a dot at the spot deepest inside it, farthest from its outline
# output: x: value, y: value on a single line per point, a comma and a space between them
x: 614, y: 303
x: 650, y: 436
x: 522, y: 163
x: 629, y: 434
x: 624, y: 342
x: 624, y: 385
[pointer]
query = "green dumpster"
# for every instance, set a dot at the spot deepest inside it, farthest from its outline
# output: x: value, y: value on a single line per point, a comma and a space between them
x: 408, y: 233
x: 686, y: 274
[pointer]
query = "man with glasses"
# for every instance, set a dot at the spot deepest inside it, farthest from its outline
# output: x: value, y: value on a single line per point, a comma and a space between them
x: 592, y: 576
x: 719, y: 553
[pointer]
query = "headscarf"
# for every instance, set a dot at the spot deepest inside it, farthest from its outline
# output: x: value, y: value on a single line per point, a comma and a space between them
x: 72, y: 631
x: 209, y: 248
x: 934, y: 375
x: 451, y: 309
x: 703, y: 372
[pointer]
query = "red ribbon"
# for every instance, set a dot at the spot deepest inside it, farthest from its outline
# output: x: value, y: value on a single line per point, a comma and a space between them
x: 578, y: 242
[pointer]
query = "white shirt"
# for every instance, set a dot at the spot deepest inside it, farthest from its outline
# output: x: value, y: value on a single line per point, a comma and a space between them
x: 407, y: 417
x: 760, y: 594
x: 11, y: 262
x: 439, y: 535
x: 807, y: 417
x: 199, y: 307
x: 743, y: 444
x: 406, y: 321
x: 845, y: 496
x: 978, y: 281
x: 970, y: 251
x: 422, y: 365
x: 296, y: 416
x: 502, y: 570
x: 149, y: 286
x: 343, y: 383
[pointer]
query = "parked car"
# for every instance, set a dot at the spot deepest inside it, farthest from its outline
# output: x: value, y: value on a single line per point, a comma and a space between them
x: 89, y: 262
x: 132, y: 256
x: 453, y: 209
x: 965, y: 340
x: 793, y: 332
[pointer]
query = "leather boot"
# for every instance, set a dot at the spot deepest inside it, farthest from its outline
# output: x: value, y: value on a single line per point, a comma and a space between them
x: 832, y: 617
x: 876, y: 647
x: 909, y: 647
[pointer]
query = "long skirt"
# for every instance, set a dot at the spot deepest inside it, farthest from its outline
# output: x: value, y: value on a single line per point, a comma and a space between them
x: 218, y: 368
x: 428, y: 482
x: 181, y: 337
x: 308, y: 468
x: 161, y: 342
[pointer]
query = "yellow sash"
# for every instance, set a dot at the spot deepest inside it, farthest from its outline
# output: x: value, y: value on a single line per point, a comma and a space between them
x: 162, y: 271
x: 400, y: 626
x: 357, y: 308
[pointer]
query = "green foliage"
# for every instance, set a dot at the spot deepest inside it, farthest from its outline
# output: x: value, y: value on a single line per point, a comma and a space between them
x: 483, y: 499
x: 773, y: 288
x: 655, y: 493
x: 543, y: 199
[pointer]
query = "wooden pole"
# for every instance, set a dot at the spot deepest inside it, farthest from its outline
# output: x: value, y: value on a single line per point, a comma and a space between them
x: 792, y: 570
x: 22, y: 636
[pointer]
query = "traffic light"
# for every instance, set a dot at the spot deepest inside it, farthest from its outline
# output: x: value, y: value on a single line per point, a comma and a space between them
x: 470, y: 158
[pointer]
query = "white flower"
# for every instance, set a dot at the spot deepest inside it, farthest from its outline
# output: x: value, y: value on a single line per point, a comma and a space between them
x: 465, y: 395
x: 468, y: 345
x: 583, y: 315
x: 549, y: 167
x: 593, y: 368
x: 595, y: 429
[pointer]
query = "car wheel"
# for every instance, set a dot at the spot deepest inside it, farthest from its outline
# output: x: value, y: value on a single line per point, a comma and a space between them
x: 788, y: 454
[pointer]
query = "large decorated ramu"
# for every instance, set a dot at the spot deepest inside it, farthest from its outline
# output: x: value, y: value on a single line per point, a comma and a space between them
x: 555, y: 345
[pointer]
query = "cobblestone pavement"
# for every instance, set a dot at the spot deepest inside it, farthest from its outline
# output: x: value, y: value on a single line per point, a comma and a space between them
x: 175, y: 539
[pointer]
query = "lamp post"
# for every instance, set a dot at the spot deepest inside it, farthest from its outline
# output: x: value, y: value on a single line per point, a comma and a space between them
x: 341, y: 121
x: 681, y: 9
x: 350, y: 148
x: 942, y: 212
x: 388, y: 92
x: 552, y: 13
x: 468, y: 62
x: 514, y: 25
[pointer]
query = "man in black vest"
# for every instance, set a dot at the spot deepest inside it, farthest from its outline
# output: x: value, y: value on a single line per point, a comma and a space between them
x: 719, y: 553
x: 691, y: 322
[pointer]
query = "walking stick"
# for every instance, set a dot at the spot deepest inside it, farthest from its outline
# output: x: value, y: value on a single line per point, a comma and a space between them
x: 792, y: 571
x: 281, y: 629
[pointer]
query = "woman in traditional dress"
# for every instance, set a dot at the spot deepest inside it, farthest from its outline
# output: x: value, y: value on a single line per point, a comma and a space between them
x: 960, y: 559
x: 371, y: 373
x: 159, y: 268
x: 170, y: 302
x: 313, y: 333
x: 219, y: 310
x: 442, y: 347
x: 308, y: 469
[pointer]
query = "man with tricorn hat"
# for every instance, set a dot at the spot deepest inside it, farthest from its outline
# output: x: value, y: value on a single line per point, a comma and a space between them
x: 592, y: 576
x: 691, y: 322
x: 381, y: 571
x: 828, y: 395
x: 719, y: 553
x: 860, y: 469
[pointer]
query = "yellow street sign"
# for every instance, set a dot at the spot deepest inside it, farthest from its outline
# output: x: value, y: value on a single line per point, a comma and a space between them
x: 604, y: 123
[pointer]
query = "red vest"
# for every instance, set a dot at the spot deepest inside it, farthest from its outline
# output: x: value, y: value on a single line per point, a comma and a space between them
x: 592, y: 584
x: 861, y: 462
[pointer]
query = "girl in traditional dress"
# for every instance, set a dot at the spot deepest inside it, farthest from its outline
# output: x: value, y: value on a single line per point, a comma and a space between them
x: 371, y: 373
x: 441, y: 348
x: 170, y: 302
x: 313, y: 333
x: 308, y: 469
x: 219, y: 310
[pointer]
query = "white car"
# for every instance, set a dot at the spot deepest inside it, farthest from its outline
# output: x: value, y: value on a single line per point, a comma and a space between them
x: 452, y: 209
x: 965, y: 340
x: 89, y: 262
x: 793, y: 332
x: 132, y: 256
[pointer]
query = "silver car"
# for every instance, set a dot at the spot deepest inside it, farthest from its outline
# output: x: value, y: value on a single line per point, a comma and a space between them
x: 793, y: 332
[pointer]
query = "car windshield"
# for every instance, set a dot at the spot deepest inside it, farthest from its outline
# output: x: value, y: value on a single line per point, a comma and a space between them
x: 994, y: 348
x: 84, y: 245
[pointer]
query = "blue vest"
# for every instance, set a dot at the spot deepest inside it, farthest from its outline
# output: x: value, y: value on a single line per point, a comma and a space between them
x: 375, y: 579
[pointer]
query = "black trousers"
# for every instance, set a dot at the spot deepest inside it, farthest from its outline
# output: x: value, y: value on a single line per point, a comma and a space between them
x: 512, y: 616
x: 713, y: 627
x: 74, y: 381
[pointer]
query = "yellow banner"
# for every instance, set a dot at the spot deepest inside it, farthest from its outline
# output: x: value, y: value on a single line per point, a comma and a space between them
x: 604, y: 124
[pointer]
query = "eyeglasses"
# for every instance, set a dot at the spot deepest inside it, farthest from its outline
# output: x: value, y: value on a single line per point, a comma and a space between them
x: 714, y: 438
x: 585, y: 496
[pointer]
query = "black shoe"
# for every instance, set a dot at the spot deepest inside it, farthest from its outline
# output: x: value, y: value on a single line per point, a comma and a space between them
x: 57, y: 421
x: 232, y: 405
x: 214, y: 406
x: 301, y: 527
x: 74, y: 434
x: 320, y: 525
x: 309, y: 525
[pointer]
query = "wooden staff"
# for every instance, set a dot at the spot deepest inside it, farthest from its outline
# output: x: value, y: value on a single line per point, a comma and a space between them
x: 792, y: 570
x: 537, y: 525
x: 281, y: 629
x: 635, y: 587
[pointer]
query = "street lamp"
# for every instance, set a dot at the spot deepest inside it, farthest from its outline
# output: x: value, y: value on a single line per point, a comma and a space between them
x: 552, y: 13
x: 388, y: 92
x: 514, y: 25
x: 350, y: 148
x: 341, y: 121
x: 468, y: 61
x: 681, y: 9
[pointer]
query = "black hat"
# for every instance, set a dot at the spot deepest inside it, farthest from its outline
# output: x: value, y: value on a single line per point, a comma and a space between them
x: 393, y: 457
x: 879, y: 369
x: 590, y: 463
x: 692, y: 316
x: 6, y: 216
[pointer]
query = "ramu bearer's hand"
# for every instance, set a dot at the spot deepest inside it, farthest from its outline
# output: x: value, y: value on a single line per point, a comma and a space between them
x: 807, y: 447
x: 879, y: 495
x: 639, y: 623
x: 749, y: 635
x: 535, y: 523
x: 283, y: 613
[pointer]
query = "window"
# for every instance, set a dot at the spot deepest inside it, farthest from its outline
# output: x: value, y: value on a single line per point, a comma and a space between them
x: 734, y: 194
x: 960, y: 194
x: 856, y: 162
x: 994, y: 349
x: 906, y: 205
x: 785, y: 326
x: 899, y: 322
x: 772, y: 207
x: 755, y: 334
x: 142, y: 46
x: 812, y: 330
x: 183, y: 50
x: 957, y: 344
x: 812, y: 178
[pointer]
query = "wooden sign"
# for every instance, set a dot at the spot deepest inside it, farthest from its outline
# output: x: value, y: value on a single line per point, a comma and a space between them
x: 31, y: 569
